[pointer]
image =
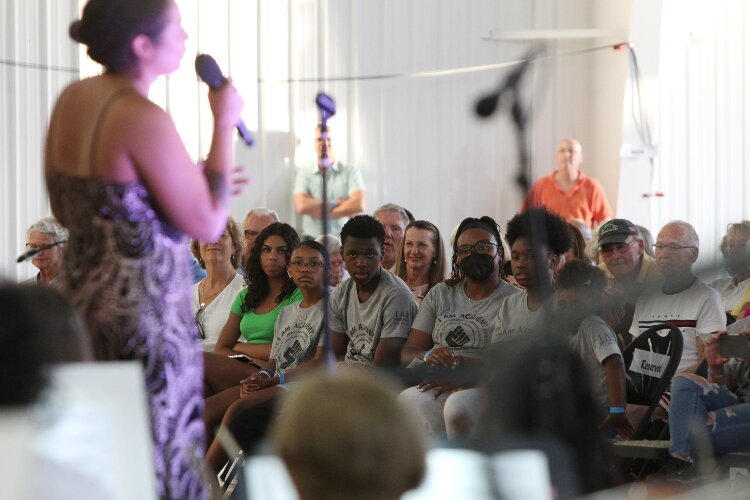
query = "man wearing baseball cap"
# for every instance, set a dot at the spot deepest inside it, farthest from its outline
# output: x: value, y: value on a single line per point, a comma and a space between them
x: 623, y: 258
x: 630, y: 271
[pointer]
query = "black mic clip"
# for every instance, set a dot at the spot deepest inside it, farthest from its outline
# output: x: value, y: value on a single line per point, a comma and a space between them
x: 30, y: 253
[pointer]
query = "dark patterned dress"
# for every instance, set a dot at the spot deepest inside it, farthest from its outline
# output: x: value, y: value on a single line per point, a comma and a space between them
x: 126, y: 270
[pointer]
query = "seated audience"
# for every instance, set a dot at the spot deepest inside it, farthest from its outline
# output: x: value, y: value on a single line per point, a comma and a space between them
x: 629, y: 270
x: 361, y: 443
x: 253, y: 315
x: 716, y: 410
x: 580, y: 287
x: 373, y: 310
x: 534, y: 265
x: 256, y: 220
x: 394, y: 220
x: 214, y: 295
x: 454, y: 325
x: 682, y: 300
x: 577, y: 248
x: 734, y: 251
x: 297, y: 342
x: 333, y: 246
x: 49, y: 235
x: 421, y: 258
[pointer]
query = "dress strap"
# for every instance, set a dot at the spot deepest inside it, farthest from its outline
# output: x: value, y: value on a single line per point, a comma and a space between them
x: 99, y: 120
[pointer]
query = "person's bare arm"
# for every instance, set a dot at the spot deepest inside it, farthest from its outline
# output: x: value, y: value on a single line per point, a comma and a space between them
x: 339, y: 342
x: 352, y: 205
x: 193, y: 201
x: 228, y: 336
x: 307, y: 205
x: 388, y: 351
x: 416, y: 344
x: 614, y: 371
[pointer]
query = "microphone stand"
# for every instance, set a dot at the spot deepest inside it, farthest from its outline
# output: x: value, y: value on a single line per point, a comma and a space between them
x: 508, y: 96
x: 325, y: 163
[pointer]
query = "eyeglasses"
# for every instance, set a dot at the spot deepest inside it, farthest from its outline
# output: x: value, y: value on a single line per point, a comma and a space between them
x: 199, y: 322
x: 616, y: 248
x: 671, y: 247
x: 313, y: 265
x: 480, y: 247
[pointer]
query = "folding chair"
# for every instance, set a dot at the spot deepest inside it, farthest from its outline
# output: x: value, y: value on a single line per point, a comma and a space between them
x: 650, y: 363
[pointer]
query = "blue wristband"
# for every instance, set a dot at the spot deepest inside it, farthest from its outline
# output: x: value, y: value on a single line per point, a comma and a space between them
x: 282, y: 378
x: 617, y: 409
x: 427, y: 354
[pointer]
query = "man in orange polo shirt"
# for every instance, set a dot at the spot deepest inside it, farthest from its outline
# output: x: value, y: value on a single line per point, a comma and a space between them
x: 568, y: 191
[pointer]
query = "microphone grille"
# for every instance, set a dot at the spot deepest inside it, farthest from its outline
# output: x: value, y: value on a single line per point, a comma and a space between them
x: 208, y: 70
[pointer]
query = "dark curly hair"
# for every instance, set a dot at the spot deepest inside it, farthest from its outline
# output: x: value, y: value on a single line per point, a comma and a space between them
x: 256, y: 280
x: 579, y: 273
x: 552, y: 233
x: 363, y: 226
x: 484, y: 222
x: 108, y: 27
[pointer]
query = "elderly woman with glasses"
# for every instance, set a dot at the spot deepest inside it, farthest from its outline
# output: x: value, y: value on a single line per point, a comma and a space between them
x: 455, y: 320
x: 213, y: 296
x: 47, y: 237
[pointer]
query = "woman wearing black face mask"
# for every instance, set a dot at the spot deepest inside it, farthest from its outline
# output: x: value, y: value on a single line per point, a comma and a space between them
x: 454, y: 324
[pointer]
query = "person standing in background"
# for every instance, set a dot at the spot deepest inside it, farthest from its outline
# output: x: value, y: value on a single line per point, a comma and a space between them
x: 568, y: 191
x: 346, y: 191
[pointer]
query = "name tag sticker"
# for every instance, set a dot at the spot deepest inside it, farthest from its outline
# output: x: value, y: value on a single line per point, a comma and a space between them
x: 649, y: 363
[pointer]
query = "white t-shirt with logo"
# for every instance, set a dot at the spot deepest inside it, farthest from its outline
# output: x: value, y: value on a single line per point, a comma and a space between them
x: 696, y: 311
x: 594, y: 342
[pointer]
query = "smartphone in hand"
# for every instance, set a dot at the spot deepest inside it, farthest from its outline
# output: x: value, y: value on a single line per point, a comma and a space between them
x: 735, y: 346
x: 245, y: 359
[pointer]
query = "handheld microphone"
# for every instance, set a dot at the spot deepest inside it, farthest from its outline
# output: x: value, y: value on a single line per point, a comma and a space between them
x: 29, y: 254
x: 326, y: 105
x: 209, y: 72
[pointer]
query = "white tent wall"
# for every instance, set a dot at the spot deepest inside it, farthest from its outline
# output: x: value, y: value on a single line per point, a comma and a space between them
x: 416, y: 140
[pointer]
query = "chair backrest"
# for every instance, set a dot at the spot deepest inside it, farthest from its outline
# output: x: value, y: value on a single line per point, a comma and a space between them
x: 650, y: 362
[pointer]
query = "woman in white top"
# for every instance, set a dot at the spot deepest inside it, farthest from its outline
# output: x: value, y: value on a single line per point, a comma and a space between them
x: 212, y: 297
x: 421, y: 258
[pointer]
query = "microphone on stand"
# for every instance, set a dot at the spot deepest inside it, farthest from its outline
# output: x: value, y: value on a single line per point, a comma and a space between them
x: 30, y: 253
x: 327, y: 108
x: 487, y: 105
x: 209, y: 72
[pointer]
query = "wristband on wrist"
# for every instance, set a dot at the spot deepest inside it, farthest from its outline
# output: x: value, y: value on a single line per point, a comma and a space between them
x: 427, y: 353
x: 267, y: 372
x: 617, y: 409
x: 282, y: 378
x: 333, y: 204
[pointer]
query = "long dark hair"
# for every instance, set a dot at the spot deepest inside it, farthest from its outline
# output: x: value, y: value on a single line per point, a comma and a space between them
x: 108, y: 28
x: 256, y: 280
x: 488, y: 224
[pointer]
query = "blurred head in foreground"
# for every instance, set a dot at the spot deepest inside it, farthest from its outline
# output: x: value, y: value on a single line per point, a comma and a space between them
x: 345, y: 436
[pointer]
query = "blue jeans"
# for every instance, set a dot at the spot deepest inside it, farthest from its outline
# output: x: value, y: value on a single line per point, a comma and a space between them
x: 699, y: 406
